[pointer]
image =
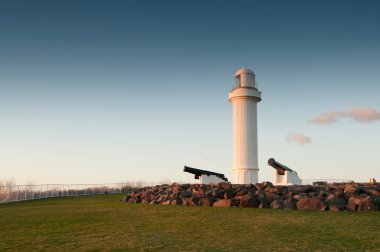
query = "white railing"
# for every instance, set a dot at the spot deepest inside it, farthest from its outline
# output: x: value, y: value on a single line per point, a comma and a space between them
x: 13, y: 193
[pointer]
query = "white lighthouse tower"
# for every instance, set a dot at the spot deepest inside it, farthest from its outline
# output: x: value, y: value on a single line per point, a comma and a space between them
x: 244, y: 97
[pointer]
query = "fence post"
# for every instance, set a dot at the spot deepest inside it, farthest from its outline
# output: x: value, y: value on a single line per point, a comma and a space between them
x: 18, y: 187
x: 9, y: 193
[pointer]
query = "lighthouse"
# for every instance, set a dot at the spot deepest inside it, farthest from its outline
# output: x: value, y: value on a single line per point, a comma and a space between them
x: 244, y: 98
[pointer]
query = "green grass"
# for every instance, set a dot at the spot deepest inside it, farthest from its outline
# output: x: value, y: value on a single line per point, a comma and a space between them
x: 104, y: 223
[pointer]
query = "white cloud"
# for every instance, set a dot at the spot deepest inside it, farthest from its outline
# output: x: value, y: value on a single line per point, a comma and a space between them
x: 327, y: 118
x: 359, y: 114
x: 364, y: 114
x: 298, y: 138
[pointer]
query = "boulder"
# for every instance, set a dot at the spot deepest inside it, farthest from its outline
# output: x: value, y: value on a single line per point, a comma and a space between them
x: 176, y: 202
x: 248, y: 201
x: 353, y: 204
x: 199, y: 192
x: 229, y: 193
x: 311, y: 204
x: 217, y: 193
x: 224, y: 185
x: 336, y: 203
x: 297, y: 189
x: 132, y: 200
x: 350, y: 189
x: 126, y: 198
x: 161, y: 198
x: 207, y: 201
x: 242, y: 191
x: 372, y: 192
x: 185, y: 194
x: 185, y: 202
x: 166, y: 202
x: 195, y: 201
x: 277, y: 203
x: 264, y: 205
x: 368, y: 205
x: 298, y: 197
x: 375, y: 199
x: 227, y: 203
x: 289, y: 204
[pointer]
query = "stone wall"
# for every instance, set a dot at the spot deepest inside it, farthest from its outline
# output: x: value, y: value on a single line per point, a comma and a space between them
x: 333, y: 197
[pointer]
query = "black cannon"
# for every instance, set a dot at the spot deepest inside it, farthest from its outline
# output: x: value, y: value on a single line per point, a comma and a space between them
x: 198, y: 173
x: 278, y: 166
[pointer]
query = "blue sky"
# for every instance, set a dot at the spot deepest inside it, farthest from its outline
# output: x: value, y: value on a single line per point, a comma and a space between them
x: 110, y: 91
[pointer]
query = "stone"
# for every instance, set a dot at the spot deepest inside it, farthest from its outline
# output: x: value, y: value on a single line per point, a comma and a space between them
x: 372, y: 192
x: 277, y: 203
x: 185, y: 202
x: 161, y: 198
x: 224, y: 185
x: 132, y: 200
x: 207, y: 201
x: 375, y: 199
x: 353, y: 204
x: 229, y: 193
x: 297, y: 189
x: 264, y: 205
x: 199, y: 192
x: 267, y: 184
x: 350, y: 188
x: 271, y: 196
x: 336, y: 203
x: 227, y: 203
x: 242, y: 191
x: 217, y: 193
x: 298, y: 197
x: 195, y: 201
x: 248, y: 201
x: 368, y: 205
x: 262, y: 198
x: 126, y: 198
x: 311, y: 204
x: 185, y: 194
x: 177, y: 202
x: 166, y: 202
x: 289, y: 204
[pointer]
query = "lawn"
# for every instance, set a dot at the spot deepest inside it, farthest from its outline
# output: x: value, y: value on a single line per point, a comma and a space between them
x: 105, y: 223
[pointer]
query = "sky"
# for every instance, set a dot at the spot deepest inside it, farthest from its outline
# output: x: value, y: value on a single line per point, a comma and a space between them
x: 113, y: 91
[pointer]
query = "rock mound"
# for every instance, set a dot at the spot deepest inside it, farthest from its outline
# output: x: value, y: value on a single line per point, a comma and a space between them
x: 333, y: 197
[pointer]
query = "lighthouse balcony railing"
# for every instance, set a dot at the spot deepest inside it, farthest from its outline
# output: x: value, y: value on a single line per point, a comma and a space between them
x: 237, y: 85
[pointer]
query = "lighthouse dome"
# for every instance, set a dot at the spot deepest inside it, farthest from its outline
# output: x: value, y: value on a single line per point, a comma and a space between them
x: 243, y: 71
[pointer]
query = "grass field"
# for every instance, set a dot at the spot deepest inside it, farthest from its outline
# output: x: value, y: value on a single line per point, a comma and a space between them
x: 104, y: 223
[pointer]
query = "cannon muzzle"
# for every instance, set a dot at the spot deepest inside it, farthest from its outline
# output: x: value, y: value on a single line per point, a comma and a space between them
x: 278, y: 166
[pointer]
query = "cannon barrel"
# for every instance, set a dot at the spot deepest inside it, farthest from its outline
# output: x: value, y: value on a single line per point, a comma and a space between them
x: 278, y: 166
x: 199, y: 172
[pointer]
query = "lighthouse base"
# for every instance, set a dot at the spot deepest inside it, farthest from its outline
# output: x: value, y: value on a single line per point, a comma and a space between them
x: 245, y: 176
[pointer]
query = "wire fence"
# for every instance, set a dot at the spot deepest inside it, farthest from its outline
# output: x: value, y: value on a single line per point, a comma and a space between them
x: 328, y: 181
x: 13, y: 193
